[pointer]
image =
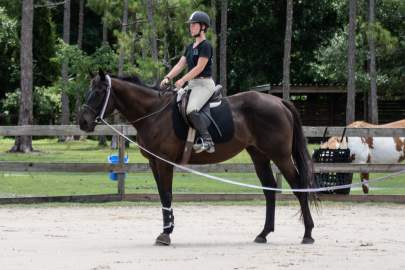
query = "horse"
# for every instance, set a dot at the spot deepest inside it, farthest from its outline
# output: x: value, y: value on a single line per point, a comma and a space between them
x: 371, y: 149
x: 268, y: 127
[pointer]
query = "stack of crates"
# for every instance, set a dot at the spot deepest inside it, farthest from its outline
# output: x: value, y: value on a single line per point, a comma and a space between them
x: 333, y: 179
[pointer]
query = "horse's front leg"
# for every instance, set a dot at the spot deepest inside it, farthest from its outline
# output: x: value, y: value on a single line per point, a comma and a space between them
x: 163, y: 174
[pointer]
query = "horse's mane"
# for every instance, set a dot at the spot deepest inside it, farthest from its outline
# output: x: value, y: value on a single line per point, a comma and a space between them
x: 136, y: 80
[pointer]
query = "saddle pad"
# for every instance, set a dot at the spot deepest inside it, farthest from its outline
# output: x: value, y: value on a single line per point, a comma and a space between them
x: 222, y: 116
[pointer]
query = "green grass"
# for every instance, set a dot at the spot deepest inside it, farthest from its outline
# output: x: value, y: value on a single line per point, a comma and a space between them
x: 49, y: 150
x: 51, y: 184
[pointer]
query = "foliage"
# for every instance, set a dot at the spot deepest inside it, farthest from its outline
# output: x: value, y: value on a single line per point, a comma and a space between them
x: 46, y: 105
x: 331, y: 64
x: 8, y: 54
x: 80, y: 64
x: 44, y: 48
x: 256, y: 38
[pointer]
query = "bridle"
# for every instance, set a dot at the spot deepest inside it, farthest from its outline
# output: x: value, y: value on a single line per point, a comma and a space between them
x: 100, y: 116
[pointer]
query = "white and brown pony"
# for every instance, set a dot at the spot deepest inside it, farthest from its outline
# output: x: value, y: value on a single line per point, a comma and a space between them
x: 386, y: 150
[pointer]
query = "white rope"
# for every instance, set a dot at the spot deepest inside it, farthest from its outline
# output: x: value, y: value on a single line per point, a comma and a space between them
x: 232, y: 182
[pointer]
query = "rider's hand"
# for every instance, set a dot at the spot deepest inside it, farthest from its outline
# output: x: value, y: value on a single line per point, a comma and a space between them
x: 164, y: 82
x: 180, y: 83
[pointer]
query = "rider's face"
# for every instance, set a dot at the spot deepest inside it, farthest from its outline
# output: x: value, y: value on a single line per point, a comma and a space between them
x: 194, y: 28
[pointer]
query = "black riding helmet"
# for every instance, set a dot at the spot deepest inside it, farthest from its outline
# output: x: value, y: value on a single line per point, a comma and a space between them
x: 200, y: 17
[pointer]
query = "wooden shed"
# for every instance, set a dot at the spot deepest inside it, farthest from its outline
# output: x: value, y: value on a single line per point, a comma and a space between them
x: 325, y: 105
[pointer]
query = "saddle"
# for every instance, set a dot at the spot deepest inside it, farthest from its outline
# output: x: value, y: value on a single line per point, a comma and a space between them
x: 214, y: 101
x: 216, y: 112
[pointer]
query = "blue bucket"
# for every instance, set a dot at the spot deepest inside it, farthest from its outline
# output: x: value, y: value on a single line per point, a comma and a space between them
x: 115, y: 159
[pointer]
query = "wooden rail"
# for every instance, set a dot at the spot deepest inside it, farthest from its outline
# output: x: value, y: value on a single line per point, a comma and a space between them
x: 211, y: 168
x: 70, y: 130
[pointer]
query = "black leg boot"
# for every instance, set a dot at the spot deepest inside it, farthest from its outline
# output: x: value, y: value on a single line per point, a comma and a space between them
x: 205, y: 143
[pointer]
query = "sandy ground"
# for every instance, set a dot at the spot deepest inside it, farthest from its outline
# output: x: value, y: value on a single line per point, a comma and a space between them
x: 361, y: 236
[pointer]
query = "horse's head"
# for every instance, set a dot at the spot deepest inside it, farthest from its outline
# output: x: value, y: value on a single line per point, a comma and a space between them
x: 98, y: 102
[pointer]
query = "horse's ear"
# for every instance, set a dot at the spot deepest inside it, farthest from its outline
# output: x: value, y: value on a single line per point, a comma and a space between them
x: 101, y: 74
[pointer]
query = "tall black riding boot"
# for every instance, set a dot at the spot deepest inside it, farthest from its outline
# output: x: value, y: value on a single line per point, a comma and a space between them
x: 205, y: 142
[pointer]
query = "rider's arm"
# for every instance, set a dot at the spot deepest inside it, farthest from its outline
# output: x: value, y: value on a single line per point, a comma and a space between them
x: 202, y: 62
x: 177, y: 68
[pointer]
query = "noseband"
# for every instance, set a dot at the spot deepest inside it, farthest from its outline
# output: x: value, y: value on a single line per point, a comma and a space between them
x: 100, y: 116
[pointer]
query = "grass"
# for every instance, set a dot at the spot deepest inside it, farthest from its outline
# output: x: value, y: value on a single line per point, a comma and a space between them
x: 49, y: 150
x: 52, y: 184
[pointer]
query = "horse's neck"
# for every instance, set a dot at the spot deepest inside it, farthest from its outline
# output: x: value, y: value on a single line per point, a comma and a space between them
x: 134, y: 101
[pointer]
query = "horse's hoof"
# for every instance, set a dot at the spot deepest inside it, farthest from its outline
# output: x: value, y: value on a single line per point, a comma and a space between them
x: 163, y: 239
x: 307, y: 240
x: 260, y: 239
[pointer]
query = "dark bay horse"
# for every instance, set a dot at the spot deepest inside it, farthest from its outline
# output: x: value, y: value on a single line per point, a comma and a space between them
x: 266, y: 126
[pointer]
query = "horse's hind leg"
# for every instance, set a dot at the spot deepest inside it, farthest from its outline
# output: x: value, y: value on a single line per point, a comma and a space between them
x: 289, y: 171
x: 265, y: 174
x: 364, y: 181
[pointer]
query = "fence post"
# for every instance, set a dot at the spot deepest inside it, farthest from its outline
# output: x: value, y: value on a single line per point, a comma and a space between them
x: 121, y: 173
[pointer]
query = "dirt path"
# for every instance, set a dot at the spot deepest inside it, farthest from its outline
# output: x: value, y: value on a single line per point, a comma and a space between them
x: 206, y: 237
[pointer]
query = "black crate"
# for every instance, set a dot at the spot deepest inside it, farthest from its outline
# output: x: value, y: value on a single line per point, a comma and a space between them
x: 333, y: 179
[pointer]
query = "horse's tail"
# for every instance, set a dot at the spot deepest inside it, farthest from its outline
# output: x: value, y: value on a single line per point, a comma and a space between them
x: 302, y: 159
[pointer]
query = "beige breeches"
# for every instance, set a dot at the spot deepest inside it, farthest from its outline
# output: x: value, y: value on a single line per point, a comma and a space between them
x: 201, y: 91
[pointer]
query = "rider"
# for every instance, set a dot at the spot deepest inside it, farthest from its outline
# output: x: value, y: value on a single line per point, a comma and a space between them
x: 198, y: 58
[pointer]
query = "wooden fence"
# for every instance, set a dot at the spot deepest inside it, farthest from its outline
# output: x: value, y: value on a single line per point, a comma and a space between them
x: 122, y: 168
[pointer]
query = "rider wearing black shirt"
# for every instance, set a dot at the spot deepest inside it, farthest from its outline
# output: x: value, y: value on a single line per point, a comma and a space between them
x: 204, y: 49
x: 198, y: 58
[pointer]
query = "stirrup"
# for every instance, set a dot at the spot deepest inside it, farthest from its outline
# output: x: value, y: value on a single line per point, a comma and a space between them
x: 204, y: 146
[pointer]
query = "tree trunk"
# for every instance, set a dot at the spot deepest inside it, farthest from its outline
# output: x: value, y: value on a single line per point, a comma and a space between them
x: 152, y: 35
x: 123, y: 30
x: 81, y: 23
x: 166, y: 55
x: 78, y: 102
x: 132, y: 56
x: 287, y: 50
x: 114, y: 140
x: 351, y: 61
x: 373, y: 108
x: 25, y: 117
x: 65, y: 98
x: 214, y: 39
x: 105, y: 27
x: 223, y: 45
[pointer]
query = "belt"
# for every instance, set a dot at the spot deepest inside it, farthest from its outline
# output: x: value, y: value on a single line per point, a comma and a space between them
x: 202, y: 77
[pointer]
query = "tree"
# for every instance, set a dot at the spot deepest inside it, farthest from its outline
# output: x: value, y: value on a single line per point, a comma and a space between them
x: 81, y: 24
x: 8, y: 52
x: 223, y: 46
x: 65, y: 115
x: 257, y: 33
x: 287, y: 50
x: 351, y: 62
x: 24, y: 143
x: 214, y: 38
x: 117, y: 118
x: 123, y: 30
x: 152, y: 35
x: 78, y: 99
x: 373, y: 104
